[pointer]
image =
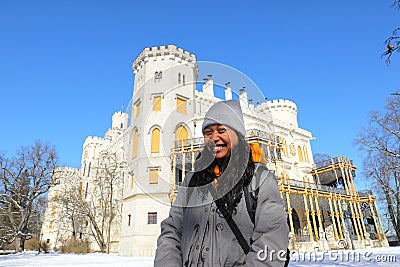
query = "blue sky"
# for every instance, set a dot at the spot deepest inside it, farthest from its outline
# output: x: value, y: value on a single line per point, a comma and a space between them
x: 65, y: 66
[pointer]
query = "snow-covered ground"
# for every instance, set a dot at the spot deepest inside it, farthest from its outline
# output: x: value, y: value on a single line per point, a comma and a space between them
x: 363, y: 257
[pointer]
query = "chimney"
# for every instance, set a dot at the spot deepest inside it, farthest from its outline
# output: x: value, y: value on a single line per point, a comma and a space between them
x: 208, y: 86
x: 228, y: 91
x: 243, y: 97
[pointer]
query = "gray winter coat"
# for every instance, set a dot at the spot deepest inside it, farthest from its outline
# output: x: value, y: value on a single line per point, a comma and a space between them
x: 198, y: 235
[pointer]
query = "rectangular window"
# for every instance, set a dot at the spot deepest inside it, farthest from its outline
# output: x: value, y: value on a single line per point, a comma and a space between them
x: 153, y: 179
x: 86, y: 190
x: 88, y: 173
x: 135, y: 139
x: 51, y: 225
x: 178, y: 176
x: 132, y: 180
x: 181, y: 105
x: 152, y: 218
x: 157, y: 103
x: 129, y: 220
x: 137, y: 109
x: 80, y: 190
x: 56, y: 196
x: 53, y: 210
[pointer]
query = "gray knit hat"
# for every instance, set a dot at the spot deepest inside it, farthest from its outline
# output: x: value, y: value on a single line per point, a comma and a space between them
x: 226, y: 113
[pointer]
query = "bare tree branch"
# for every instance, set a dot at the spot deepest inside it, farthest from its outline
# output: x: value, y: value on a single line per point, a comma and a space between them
x: 23, y: 179
x: 381, y: 143
x: 392, y: 43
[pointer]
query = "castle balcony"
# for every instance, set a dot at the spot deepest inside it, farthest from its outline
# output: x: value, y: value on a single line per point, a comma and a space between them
x: 334, y: 171
x: 300, y: 187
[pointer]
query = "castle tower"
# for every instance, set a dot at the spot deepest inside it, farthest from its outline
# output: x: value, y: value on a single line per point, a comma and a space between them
x: 120, y: 120
x: 283, y: 111
x: 162, y: 112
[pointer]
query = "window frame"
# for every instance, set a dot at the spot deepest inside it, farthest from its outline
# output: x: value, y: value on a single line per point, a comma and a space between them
x: 151, y: 218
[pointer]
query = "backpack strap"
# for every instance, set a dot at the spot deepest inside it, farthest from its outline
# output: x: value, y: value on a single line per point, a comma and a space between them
x: 251, y: 198
x: 228, y: 217
x: 251, y: 205
x: 251, y: 191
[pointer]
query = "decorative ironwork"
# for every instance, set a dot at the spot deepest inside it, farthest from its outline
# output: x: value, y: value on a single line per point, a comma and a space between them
x: 366, y: 210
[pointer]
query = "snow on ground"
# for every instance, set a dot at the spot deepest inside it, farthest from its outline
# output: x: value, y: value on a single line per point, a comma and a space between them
x: 362, y: 257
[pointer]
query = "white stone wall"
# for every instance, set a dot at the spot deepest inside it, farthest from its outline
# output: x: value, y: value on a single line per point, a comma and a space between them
x: 61, y: 227
x: 112, y: 142
x: 140, y: 238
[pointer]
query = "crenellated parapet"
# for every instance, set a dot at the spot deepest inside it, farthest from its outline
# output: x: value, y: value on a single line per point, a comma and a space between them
x: 120, y: 120
x: 161, y: 53
x: 282, y: 105
x: 90, y: 145
x: 66, y: 170
x: 280, y: 111
x: 93, y: 140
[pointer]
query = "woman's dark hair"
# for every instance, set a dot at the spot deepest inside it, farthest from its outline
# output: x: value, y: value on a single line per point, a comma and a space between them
x: 237, y: 172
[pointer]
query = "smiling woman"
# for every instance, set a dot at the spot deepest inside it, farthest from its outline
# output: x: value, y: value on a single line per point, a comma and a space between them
x: 210, y: 223
x: 220, y: 139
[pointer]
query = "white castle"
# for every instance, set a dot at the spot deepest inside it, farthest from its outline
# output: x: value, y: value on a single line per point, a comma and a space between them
x: 144, y: 156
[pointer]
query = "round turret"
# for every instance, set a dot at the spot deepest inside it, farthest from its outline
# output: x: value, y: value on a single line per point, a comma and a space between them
x: 283, y: 110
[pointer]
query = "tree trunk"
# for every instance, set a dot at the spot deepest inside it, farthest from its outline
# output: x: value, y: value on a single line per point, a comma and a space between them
x: 21, y: 244
x: 110, y: 220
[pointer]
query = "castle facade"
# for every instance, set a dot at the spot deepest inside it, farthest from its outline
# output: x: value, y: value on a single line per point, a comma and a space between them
x: 150, y: 148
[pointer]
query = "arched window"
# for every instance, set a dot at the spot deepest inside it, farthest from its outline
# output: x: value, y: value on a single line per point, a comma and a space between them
x: 137, y: 109
x: 80, y: 190
x: 157, y: 75
x: 88, y: 172
x: 181, y: 134
x: 135, y: 138
x: 285, y: 148
x: 300, y: 153
x: 155, y: 140
x: 132, y: 180
x: 306, y: 154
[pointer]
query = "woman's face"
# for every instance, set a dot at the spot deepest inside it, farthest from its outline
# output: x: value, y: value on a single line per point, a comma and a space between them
x: 220, y: 140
